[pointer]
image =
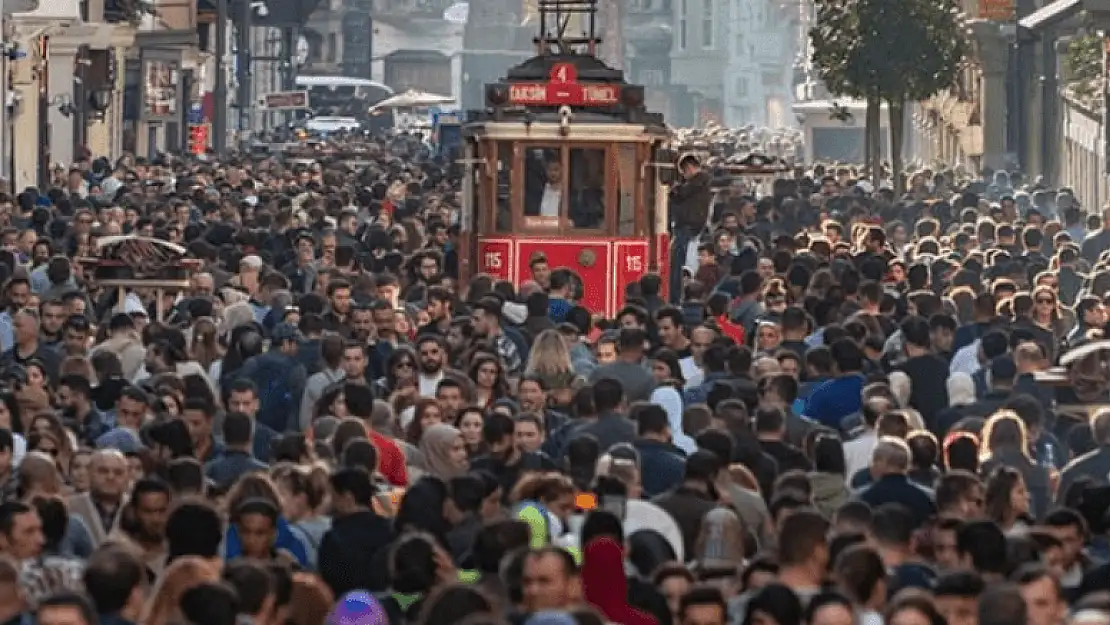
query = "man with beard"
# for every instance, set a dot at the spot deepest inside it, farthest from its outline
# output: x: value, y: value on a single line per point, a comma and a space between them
x: 431, y: 359
x: 78, y: 412
x: 75, y: 337
x: 52, y: 314
x: 505, y: 460
x: 362, y: 323
x: 487, y: 323
x: 144, y: 521
x: 440, y: 311
x: 339, y: 295
x: 533, y: 394
x: 375, y: 327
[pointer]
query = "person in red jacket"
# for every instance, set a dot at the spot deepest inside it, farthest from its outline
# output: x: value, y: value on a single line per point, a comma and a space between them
x: 605, y: 586
x: 717, y: 306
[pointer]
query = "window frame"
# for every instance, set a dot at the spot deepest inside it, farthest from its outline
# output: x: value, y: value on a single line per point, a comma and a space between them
x: 565, y: 226
x: 708, y: 36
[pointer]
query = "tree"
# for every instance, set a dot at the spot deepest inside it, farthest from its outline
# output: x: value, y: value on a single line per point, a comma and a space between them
x: 1084, y: 66
x: 891, y: 51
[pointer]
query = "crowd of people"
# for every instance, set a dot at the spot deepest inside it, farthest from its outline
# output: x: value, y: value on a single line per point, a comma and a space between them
x: 847, y: 411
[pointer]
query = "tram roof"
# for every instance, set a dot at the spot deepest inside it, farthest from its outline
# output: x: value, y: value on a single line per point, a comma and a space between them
x: 599, y: 130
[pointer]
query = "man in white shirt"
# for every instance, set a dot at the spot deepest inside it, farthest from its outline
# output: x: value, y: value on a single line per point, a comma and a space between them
x: 552, y: 201
x: 432, y: 358
x: 857, y: 452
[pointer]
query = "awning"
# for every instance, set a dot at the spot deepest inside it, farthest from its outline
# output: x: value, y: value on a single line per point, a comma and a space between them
x: 1051, y: 14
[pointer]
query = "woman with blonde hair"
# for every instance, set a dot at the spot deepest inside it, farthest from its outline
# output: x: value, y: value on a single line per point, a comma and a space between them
x: 181, y: 575
x: 205, y: 345
x: 549, y: 360
x: 1005, y: 443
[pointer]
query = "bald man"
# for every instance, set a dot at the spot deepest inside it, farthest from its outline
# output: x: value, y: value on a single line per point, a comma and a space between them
x: 108, y: 483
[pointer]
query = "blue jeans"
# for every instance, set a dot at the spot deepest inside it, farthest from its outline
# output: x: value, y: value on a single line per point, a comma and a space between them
x: 680, y: 241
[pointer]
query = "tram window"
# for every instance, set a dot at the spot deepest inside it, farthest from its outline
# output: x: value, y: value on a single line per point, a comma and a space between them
x: 544, y: 183
x: 587, y: 183
x: 626, y: 190
x: 504, y: 187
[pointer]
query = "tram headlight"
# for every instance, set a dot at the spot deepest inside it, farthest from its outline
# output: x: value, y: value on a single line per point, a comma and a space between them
x: 566, y: 114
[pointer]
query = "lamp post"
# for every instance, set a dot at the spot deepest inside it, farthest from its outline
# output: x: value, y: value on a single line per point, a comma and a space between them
x: 43, y: 118
x: 219, y: 113
x: 99, y: 101
x: 243, y: 71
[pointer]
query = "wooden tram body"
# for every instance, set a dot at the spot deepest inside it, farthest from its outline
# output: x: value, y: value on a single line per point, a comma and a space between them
x: 566, y: 162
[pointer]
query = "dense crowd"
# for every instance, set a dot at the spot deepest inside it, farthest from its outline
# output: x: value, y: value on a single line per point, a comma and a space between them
x: 848, y: 411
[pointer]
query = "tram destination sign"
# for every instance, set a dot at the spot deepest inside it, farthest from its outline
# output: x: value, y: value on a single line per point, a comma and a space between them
x: 563, y: 89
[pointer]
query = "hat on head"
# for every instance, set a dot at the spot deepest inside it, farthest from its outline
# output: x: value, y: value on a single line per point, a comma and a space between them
x: 252, y: 262
x: 123, y: 440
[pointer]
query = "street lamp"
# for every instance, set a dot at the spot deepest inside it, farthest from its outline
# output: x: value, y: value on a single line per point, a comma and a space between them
x: 99, y: 101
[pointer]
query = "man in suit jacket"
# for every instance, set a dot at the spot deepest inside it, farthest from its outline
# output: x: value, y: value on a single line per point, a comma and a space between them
x: 100, y: 507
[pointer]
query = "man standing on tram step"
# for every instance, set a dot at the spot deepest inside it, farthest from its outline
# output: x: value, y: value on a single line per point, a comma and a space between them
x: 689, y: 211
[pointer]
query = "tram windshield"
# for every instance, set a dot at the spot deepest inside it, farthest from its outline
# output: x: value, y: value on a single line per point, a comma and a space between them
x: 565, y: 186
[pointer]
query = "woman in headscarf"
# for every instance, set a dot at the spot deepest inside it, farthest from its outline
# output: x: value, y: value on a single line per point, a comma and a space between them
x: 828, y: 477
x: 605, y: 586
x: 444, y: 451
x: 721, y: 546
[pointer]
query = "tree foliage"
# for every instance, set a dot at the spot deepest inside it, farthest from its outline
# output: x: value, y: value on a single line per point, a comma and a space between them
x: 890, y: 49
x: 1083, y: 65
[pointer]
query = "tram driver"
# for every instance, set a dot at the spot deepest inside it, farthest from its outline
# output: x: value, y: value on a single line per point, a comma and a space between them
x: 545, y: 187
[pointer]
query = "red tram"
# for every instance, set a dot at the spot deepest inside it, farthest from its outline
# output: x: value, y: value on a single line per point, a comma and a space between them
x: 565, y: 164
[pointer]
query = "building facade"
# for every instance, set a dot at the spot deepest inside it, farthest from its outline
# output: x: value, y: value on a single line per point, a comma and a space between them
x: 737, y: 59
x: 65, y: 97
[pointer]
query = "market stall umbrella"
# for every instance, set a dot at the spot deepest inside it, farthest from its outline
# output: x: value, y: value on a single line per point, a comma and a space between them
x: 412, y: 99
